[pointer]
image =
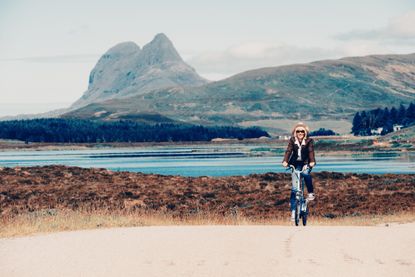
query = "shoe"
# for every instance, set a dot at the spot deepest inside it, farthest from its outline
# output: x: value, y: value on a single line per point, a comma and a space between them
x: 310, y: 196
x: 292, y: 215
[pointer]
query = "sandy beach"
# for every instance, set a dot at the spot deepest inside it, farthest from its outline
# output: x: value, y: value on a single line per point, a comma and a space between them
x: 214, y: 251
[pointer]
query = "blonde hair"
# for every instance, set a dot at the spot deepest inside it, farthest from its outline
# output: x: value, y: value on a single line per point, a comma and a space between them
x: 302, y: 126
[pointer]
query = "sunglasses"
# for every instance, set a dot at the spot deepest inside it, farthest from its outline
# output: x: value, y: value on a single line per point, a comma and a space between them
x: 300, y: 131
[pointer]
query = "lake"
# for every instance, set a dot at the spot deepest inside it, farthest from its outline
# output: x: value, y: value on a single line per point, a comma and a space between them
x: 204, y: 160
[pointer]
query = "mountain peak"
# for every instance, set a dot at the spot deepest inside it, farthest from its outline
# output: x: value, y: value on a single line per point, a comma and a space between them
x: 159, y: 50
x: 124, y: 48
x: 161, y: 37
x: 126, y: 70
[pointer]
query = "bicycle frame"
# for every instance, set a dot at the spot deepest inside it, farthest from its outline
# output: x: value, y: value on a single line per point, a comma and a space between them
x: 297, y: 183
x: 298, y: 187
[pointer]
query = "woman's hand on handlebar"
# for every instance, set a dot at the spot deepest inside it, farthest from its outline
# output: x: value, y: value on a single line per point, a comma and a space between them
x: 284, y: 164
x: 312, y: 164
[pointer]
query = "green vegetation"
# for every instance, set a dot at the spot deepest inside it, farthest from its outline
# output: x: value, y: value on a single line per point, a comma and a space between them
x: 345, y: 145
x: 364, y: 122
x: 80, y: 131
x: 323, y: 132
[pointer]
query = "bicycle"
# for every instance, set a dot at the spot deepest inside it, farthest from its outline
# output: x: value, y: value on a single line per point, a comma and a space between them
x: 301, y: 203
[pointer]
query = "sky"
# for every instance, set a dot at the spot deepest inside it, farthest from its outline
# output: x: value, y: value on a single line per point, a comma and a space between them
x: 49, y: 47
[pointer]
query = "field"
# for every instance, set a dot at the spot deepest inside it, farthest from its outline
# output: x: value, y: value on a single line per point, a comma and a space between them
x: 56, y: 198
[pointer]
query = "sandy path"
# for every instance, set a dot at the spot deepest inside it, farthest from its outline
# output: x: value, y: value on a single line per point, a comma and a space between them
x: 214, y: 251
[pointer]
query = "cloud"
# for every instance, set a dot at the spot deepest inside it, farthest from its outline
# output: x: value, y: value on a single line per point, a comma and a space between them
x: 78, y: 30
x: 216, y: 65
x: 80, y: 58
x: 255, y: 55
x: 397, y: 37
x: 401, y: 28
x: 363, y: 48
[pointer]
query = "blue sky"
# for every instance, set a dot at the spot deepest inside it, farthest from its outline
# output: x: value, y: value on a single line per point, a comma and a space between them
x: 47, y: 48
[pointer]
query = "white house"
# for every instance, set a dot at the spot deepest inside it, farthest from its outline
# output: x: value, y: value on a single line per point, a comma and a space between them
x: 397, y: 127
x: 284, y: 137
x: 376, y: 131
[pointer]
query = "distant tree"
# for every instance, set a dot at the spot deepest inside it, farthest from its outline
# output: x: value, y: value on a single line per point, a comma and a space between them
x: 377, y: 117
x: 323, y: 132
x: 365, y: 121
x: 76, y: 130
x: 366, y: 124
x: 387, y: 127
x: 357, y: 124
x: 386, y: 115
x: 393, y: 115
x: 410, y: 115
x: 401, y: 114
x: 387, y: 122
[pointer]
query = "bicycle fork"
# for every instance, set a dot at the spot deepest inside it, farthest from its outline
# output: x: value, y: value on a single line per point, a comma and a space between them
x: 298, y: 187
x: 303, y: 202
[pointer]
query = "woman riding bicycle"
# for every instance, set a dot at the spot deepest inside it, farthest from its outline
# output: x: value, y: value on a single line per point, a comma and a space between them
x: 300, y: 154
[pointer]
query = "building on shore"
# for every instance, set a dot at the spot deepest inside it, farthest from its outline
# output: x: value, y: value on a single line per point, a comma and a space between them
x: 397, y: 127
x: 377, y: 131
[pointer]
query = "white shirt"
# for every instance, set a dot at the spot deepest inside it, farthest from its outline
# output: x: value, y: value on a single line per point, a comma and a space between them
x: 299, y: 147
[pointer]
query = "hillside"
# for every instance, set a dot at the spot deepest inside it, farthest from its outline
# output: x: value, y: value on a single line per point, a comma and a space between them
x: 323, y: 93
x: 404, y: 135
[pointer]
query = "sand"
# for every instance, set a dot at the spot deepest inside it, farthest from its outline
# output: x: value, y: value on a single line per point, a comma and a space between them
x: 215, y: 251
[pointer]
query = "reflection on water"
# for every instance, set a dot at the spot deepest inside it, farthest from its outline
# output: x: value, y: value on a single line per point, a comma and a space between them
x: 204, y: 161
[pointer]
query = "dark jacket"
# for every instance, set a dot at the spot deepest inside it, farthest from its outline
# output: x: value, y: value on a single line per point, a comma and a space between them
x: 307, y: 151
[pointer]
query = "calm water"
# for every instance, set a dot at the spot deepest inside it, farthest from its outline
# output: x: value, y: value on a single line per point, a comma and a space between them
x: 204, y: 161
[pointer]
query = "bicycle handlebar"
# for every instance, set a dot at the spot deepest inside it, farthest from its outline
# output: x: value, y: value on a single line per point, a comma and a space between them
x: 292, y: 168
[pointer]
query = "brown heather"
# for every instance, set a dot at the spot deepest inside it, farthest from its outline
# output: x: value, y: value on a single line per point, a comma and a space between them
x: 58, y: 198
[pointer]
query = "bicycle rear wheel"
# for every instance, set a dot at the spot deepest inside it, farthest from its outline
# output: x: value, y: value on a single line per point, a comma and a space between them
x: 304, y: 216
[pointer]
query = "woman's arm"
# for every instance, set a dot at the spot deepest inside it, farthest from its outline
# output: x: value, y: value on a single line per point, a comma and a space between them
x: 311, y: 156
x: 288, y: 151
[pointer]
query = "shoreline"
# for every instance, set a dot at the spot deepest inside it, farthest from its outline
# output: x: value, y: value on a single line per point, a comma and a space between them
x: 324, y: 146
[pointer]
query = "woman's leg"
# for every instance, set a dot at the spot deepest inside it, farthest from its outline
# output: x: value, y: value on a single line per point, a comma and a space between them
x: 308, y: 180
x: 292, y: 201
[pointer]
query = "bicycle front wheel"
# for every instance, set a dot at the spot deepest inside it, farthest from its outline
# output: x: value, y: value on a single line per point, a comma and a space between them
x: 297, y: 212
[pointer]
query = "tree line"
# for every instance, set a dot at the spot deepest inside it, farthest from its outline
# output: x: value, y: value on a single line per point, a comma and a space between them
x: 322, y: 132
x: 365, y: 121
x: 88, y: 131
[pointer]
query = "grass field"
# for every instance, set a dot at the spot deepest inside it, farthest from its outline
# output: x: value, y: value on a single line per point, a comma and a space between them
x: 49, y: 221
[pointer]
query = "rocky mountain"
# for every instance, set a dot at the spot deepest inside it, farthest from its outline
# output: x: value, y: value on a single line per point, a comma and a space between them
x: 125, y: 70
x: 323, y: 93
